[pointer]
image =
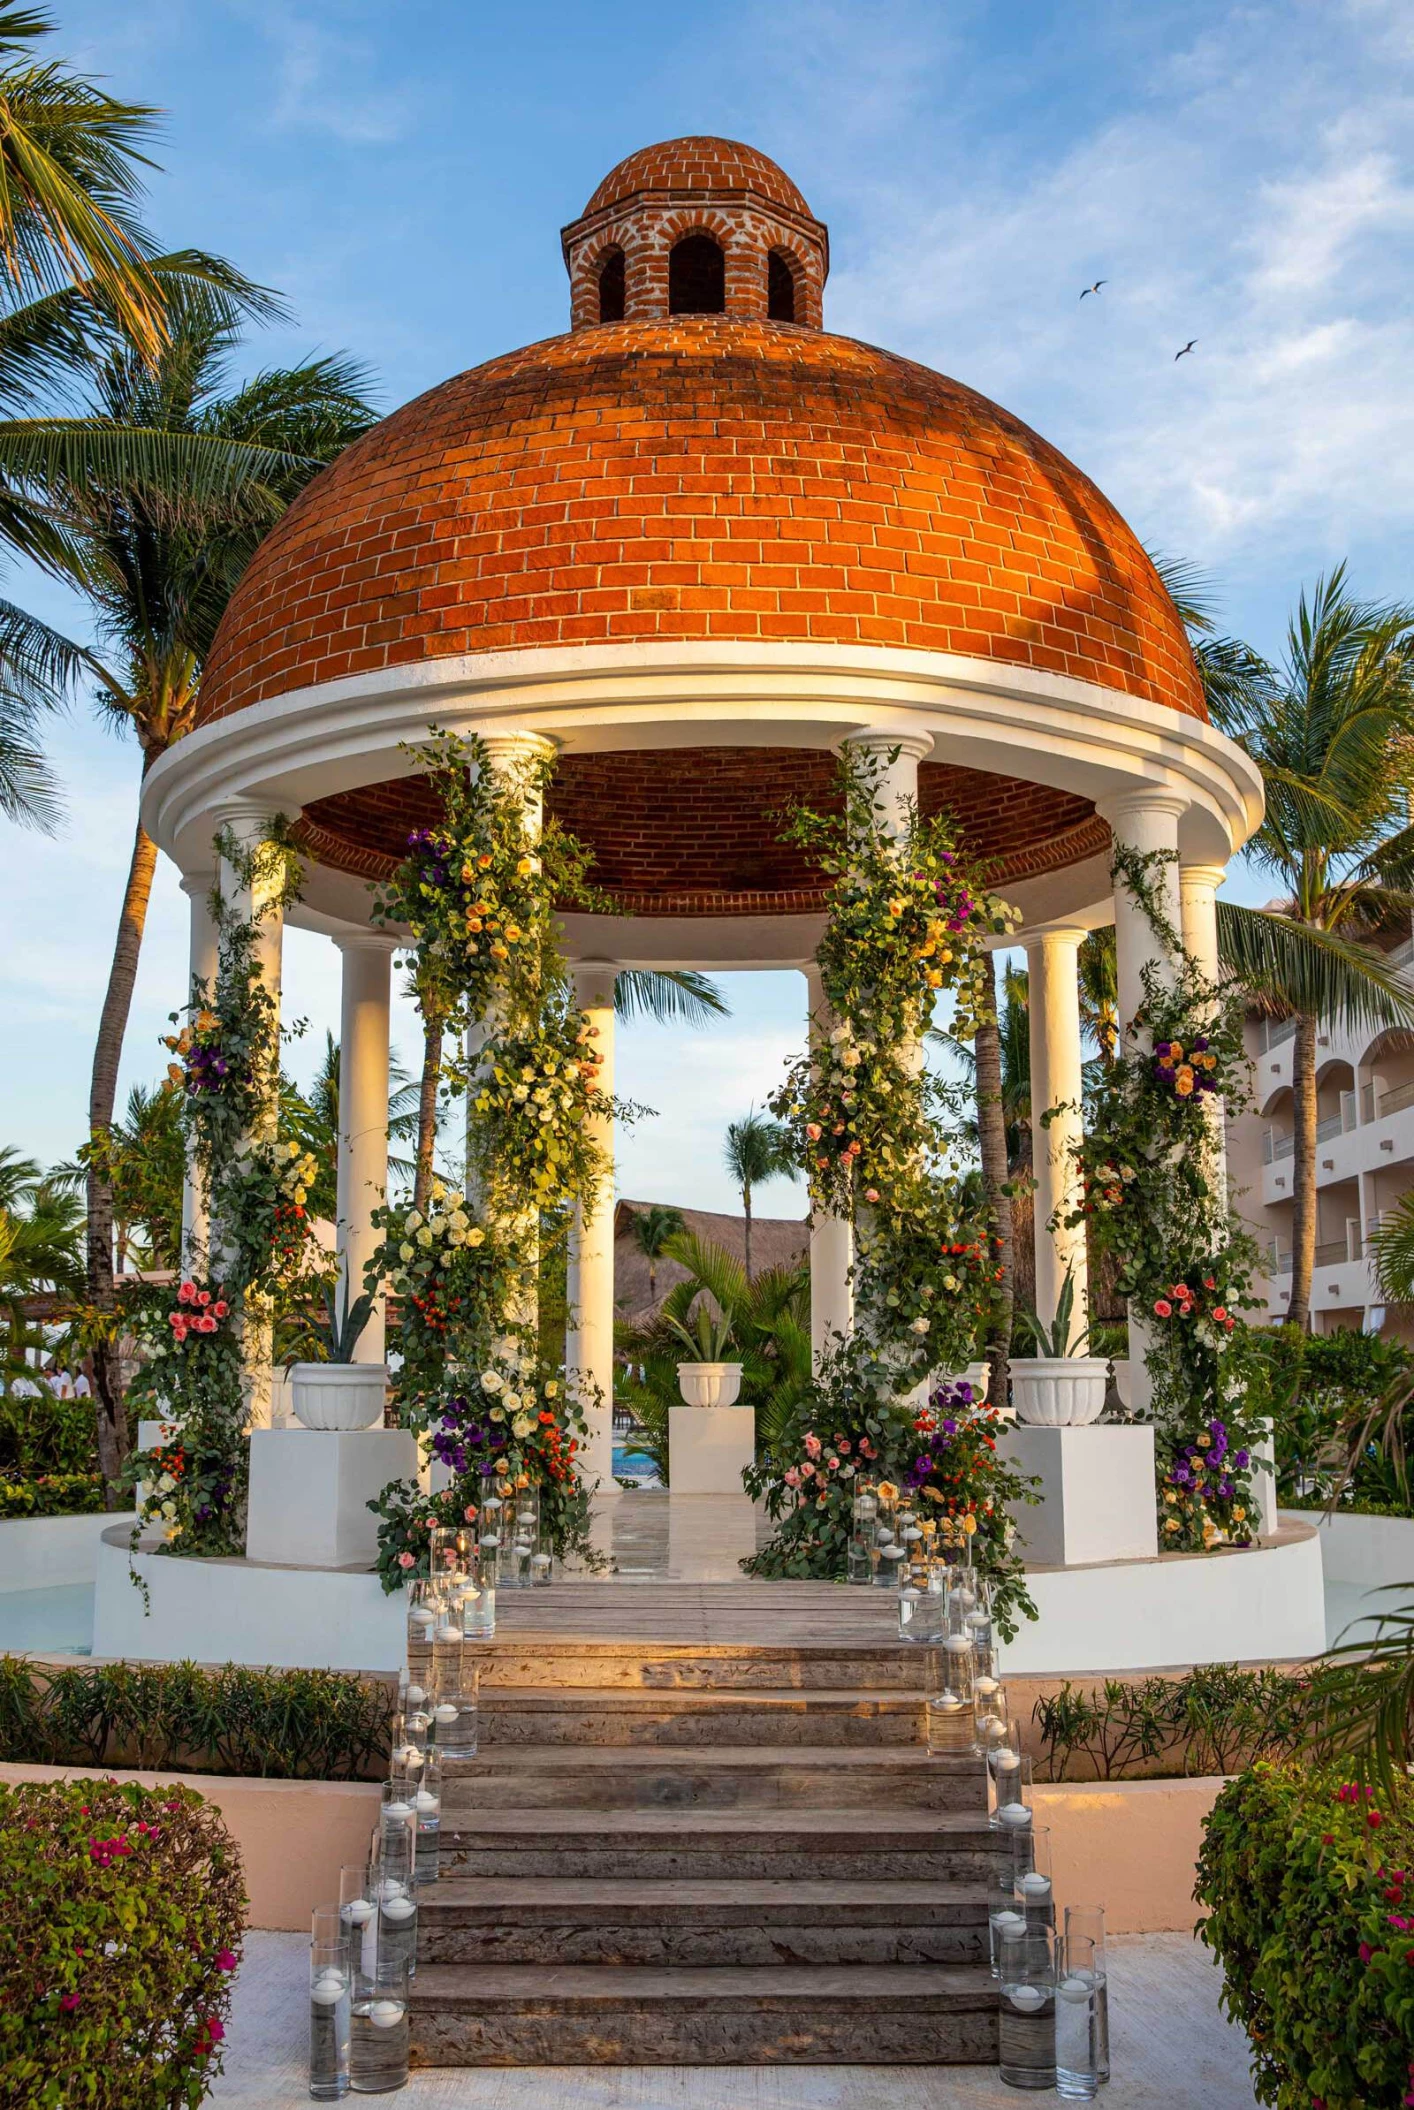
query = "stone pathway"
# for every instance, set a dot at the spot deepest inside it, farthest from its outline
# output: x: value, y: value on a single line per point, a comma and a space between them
x: 1171, y: 2046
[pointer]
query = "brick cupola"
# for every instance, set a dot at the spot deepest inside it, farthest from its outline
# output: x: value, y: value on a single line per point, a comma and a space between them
x: 696, y: 226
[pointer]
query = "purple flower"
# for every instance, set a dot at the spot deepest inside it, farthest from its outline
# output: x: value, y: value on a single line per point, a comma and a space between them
x: 1241, y: 1459
x: 950, y: 1428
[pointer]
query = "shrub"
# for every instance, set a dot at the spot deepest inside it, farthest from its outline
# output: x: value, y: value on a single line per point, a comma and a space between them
x: 51, y: 1495
x: 1212, y: 1721
x: 177, y: 1718
x: 120, y: 1925
x: 1306, y: 1880
x: 1318, y: 1389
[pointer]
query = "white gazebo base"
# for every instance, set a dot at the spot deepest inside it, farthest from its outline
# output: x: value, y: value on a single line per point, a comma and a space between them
x: 310, y: 1490
x: 1255, y: 1604
x: 1096, y: 1493
x: 709, y: 1448
x: 243, y: 1611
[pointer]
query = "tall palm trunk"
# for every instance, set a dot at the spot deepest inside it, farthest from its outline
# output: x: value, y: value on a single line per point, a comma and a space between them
x: 1303, y: 1173
x: 991, y: 1133
x: 110, y: 1411
x: 746, y: 1212
x: 427, y: 1105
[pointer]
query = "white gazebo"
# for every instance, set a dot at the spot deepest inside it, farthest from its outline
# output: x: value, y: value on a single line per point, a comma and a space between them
x: 693, y: 547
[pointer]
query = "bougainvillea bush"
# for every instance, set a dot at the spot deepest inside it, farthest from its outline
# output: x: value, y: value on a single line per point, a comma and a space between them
x: 119, y: 1936
x: 852, y: 1427
x: 1309, y: 1883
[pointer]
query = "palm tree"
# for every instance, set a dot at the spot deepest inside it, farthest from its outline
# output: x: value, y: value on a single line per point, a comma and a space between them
x: 157, y: 560
x: 312, y: 1119
x: 1329, y: 730
x: 652, y: 1228
x: 1098, y: 975
x: 757, y: 1149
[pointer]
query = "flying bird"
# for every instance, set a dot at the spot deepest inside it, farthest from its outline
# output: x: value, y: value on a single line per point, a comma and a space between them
x: 1096, y: 287
x: 1187, y: 348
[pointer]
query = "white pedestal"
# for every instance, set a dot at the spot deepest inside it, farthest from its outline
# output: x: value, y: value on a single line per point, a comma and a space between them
x: 709, y: 1448
x: 1097, y: 1494
x: 310, y: 1490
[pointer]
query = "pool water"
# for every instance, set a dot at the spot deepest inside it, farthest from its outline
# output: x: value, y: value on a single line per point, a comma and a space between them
x: 56, y: 1621
x: 633, y: 1465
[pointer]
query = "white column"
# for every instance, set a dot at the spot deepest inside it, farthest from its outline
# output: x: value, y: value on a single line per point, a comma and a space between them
x: 201, y: 967
x: 1147, y: 823
x: 363, y: 1118
x: 256, y: 897
x: 589, y: 1345
x: 1198, y: 906
x: 1054, y: 1024
x: 831, y: 1237
x: 896, y: 789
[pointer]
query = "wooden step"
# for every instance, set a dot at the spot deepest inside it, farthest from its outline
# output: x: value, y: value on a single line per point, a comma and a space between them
x: 553, y: 1715
x: 550, y: 1921
x: 619, y: 2015
x: 517, y: 1661
x: 828, y: 1845
x: 746, y: 1776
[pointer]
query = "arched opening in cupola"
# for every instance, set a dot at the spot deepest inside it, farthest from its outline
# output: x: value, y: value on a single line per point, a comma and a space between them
x: 697, y: 277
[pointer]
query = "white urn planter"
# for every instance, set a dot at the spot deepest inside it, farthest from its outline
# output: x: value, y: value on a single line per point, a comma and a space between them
x: 341, y: 1396
x: 1059, y: 1391
x: 709, y: 1384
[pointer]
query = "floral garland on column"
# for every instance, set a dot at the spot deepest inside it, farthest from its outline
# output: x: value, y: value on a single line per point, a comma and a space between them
x: 1148, y: 1192
x: 907, y: 920
x: 226, y: 1064
x: 478, y: 893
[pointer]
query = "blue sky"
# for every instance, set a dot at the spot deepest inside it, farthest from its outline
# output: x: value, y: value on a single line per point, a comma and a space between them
x: 1238, y: 173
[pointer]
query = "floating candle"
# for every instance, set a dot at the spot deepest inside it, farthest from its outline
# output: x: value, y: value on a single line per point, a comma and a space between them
x: 1076, y: 1988
x: 358, y: 1912
x: 1014, y: 1815
x: 399, y: 1909
x: 425, y: 1801
x: 1034, y: 1885
x: 386, y: 2014
x: 1009, y: 1924
x: 399, y: 1812
x: 415, y: 1695
x: 958, y: 1643
x: 446, y: 1712
x: 1025, y: 1998
x: 328, y: 1990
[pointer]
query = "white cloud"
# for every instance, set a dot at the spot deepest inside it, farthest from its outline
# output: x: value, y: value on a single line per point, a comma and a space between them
x: 328, y: 82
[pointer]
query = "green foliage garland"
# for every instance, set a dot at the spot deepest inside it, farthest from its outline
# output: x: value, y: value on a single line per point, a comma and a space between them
x: 1310, y: 1896
x: 121, y: 1933
x: 534, y: 1097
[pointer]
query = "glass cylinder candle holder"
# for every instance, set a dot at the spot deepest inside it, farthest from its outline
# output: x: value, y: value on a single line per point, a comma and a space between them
x: 1027, y: 2000
x: 397, y: 1821
x: 988, y: 1712
x: 410, y: 1737
x: 427, y: 1819
x: 1078, y: 1981
x: 1009, y: 1789
x: 358, y: 1914
x: 949, y: 1725
x: 395, y: 1895
x: 954, y: 1669
x: 421, y: 1618
x: 454, y: 1707
x: 478, y: 1603
x: 1089, y: 1921
x: 1035, y: 1886
x: 920, y: 1603
x: 1006, y: 1919
x: 378, y: 2044
x: 887, y: 1544
x: 859, y: 1560
x: 330, y: 2005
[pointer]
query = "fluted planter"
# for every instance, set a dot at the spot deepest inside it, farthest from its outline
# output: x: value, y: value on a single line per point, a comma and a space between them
x: 340, y: 1396
x: 1059, y: 1391
x: 709, y: 1384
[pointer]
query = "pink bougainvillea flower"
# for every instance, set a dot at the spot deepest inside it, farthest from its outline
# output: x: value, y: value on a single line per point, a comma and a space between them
x: 225, y: 1960
x: 1366, y: 1952
x: 69, y: 2002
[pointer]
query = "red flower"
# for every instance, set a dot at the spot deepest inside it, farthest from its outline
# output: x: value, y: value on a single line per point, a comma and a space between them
x: 220, y: 1308
x: 1374, y: 1820
x: 1163, y: 1307
x: 187, y: 1293
x: 206, y: 1324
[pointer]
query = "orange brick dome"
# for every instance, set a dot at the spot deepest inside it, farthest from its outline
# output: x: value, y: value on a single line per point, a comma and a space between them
x: 695, y: 164
x: 703, y: 476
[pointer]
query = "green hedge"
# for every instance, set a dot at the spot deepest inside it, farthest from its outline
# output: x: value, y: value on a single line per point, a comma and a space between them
x: 1215, y: 1720
x: 1309, y: 1884
x: 175, y: 1717
x: 121, y: 1911
x: 51, y: 1495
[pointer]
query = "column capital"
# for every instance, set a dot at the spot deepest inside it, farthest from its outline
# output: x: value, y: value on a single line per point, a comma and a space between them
x: 1120, y: 807
x: 1202, y: 875
x: 594, y: 983
x: 367, y: 941
x: 196, y: 885
x: 882, y: 739
x: 504, y: 749
x: 1057, y: 935
x: 247, y: 817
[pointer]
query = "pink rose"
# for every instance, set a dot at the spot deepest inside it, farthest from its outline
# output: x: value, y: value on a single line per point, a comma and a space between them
x: 404, y: 1560
x: 792, y: 1476
x: 813, y: 1130
x: 1163, y: 1307
x: 470, y: 1514
x: 812, y: 1444
x: 187, y: 1293
x: 871, y: 1194
x: 206, y: 1324
x: 220, y: 1307
x: 806, y: 1470
x: 203, y: 1297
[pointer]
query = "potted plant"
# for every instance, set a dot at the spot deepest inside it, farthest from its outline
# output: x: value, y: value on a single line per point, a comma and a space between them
x: 340, y: 1393
x: 1058, y: 1386
x: 707, y: 1381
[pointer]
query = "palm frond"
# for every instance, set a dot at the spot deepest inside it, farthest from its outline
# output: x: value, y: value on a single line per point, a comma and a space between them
x: 1292, y: 967
x: 668, y: 996
x: 1392, y: 1249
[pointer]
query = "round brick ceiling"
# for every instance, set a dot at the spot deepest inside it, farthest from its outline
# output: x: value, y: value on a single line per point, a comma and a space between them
x: 696, y: 831
x: 697, y: 163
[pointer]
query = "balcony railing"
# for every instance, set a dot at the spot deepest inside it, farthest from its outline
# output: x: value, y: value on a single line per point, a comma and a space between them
x: 1332, y: 1252
x: 1275, y: 1031
x: 1275, y: 1146
x: 1333, y: 1125
x: 1278, y: 1260
x: 1390, y: 1102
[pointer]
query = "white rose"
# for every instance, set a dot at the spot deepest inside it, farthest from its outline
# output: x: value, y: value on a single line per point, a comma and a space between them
x: 498, y: 1413
x: 475, y: 1236
x: 166, y: 1484
x: 921, y: 1325
x: 169, y: 1509
x: 522, y: 1425
x: 456, y: 1238
x: 458, y: 1219
x: 551, y: 1387
x: 490, y: 1380
x: 405, y: 1252
x: 413, y: 1219
x: 424, y: 1237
